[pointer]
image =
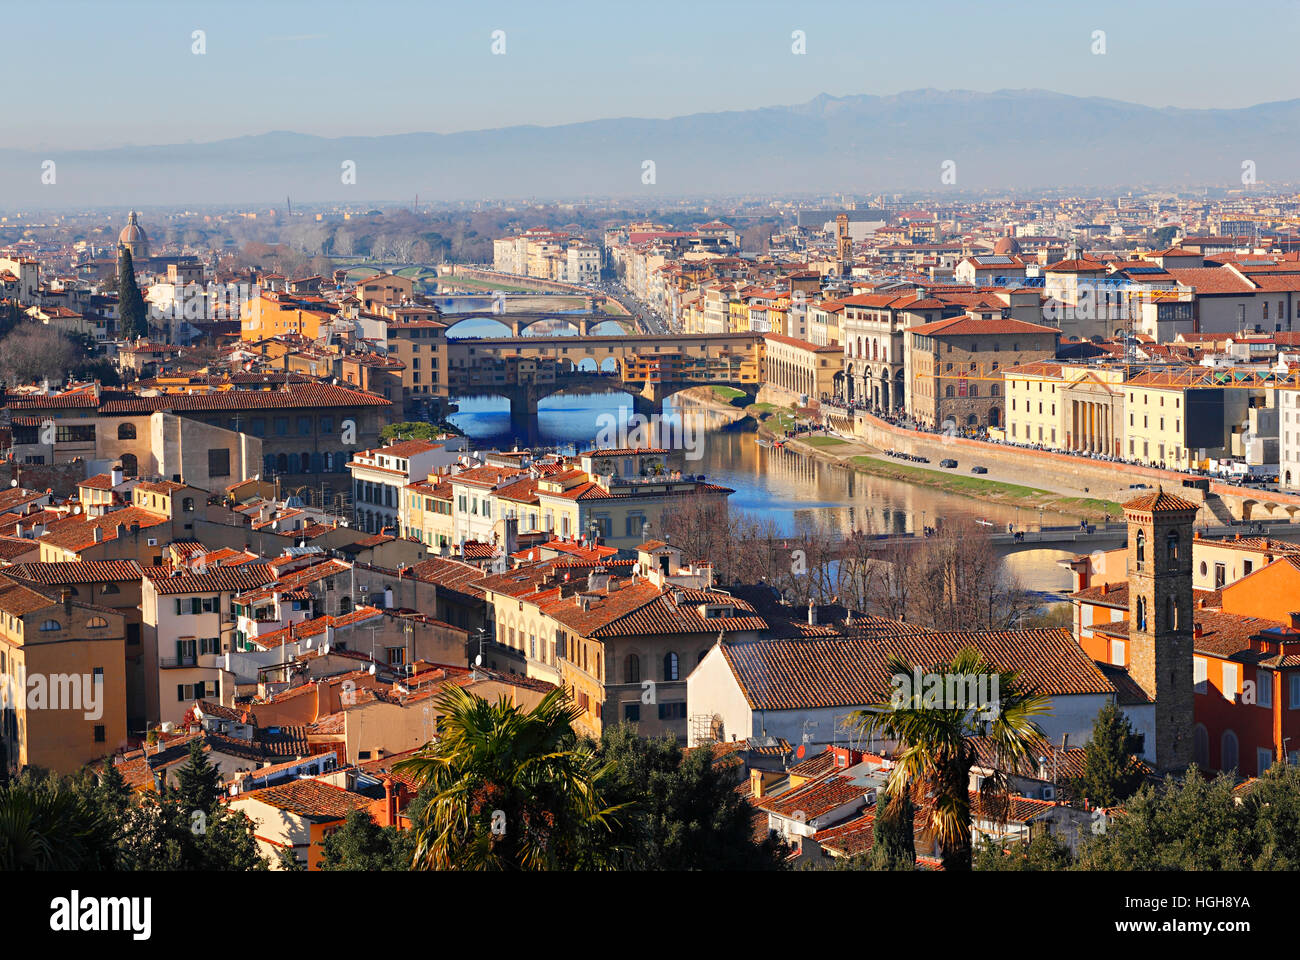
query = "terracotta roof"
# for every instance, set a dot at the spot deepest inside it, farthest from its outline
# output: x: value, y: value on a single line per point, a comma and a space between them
x: 219, y: 580
x: 83, y: 571
x: 802, y: 674
x: 1160, y: 501
x: 312, y: 799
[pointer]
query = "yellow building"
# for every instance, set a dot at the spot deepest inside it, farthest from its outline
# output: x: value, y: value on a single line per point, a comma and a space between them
x: 266, y: 315
x: 62, y: 679
x: 426, y: 512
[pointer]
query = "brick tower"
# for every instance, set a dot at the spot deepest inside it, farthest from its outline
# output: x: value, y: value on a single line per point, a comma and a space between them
x: 1160, y: 618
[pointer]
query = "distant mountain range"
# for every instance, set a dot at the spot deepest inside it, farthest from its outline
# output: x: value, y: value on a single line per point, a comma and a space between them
x: 1010, y: 139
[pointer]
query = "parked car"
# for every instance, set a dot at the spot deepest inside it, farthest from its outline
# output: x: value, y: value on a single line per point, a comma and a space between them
x: 948, y: 464
x: 978, y: 469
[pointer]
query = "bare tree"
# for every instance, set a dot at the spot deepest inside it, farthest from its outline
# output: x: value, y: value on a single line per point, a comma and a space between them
x: 33, y: 351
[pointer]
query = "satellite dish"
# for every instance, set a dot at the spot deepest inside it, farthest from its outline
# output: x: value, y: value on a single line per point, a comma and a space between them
x: 800, y: 752
x: 478, y: 660
x: 372, y: 669
x: 14, y: 482
x: 234, y: 790
x: 325, y: 648
x: 309, y: 643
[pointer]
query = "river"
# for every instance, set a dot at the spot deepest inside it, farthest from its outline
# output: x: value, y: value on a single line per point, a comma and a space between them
x: 792, y: 490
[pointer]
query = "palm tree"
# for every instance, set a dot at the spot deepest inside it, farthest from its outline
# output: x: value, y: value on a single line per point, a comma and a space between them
x: 511, y: 789
x: 46, y: 826
x: 936, y: 750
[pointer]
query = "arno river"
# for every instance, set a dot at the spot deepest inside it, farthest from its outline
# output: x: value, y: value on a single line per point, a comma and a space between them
x: 790, y: 489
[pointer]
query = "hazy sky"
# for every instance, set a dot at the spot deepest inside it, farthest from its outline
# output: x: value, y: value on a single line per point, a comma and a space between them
x: 99, y: 74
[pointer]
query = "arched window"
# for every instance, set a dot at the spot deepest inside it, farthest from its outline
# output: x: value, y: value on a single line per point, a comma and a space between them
x: 282, y: 463
x: 1172, y: 543
x: 671, y: 667
x: 974, y: 390
x: 995, y: 417
x: 1228, y: 751
x: 1141, y: 546
x: 972, y: 420
x: 1171, y: 614
x: 50, y: 625
x: 1141, y: 613
x: 1201, y: 746
x: 949, y: 392
x: 126, y: 431
x: 96, y: 623
x: 995, y: 390
x: 632, y: 669
x: 130, y: 467
x: 345, y: 604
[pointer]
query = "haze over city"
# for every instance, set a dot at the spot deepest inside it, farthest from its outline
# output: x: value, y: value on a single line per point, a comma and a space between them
x: 617, y: 439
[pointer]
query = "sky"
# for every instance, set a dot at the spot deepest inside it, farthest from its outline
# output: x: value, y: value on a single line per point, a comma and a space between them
x: 99, y: 74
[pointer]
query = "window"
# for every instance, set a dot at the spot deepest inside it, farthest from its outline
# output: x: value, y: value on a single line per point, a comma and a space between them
x: 126, y: 431
x: 1295, y: 691
x: 1220, y: 575
x: 1171, y: 543
x: 671, y: 667
x: 99, y: 733
x: 1199, y: 684
x: 1201, y: 746
x: 1263, y: 759
x: 96, y: 623
x: 281, y: 426
x: 1228, y: 759
x: 1141, y: 548
x: 49, y: 626
x: 632, y: 669
x: 218, y: 463
x: 673, y: 710
x: 1264, y: 688
x: 632, y: 711
x: 1230, y: 682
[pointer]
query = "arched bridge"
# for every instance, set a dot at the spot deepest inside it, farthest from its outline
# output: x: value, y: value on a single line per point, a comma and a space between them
x: 519, y: 322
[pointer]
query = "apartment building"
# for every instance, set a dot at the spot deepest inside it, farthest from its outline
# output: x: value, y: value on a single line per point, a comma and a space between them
x: 954, y: 367
x: 380, y: 478
x: 188, y: 625
x: 62, y: 679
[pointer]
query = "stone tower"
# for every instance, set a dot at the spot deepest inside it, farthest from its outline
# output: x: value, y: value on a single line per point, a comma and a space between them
x: 843, y: 244
x: 1160, y: 618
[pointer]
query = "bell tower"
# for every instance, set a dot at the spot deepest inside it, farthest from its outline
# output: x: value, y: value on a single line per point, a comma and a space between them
x: 1160, y: 618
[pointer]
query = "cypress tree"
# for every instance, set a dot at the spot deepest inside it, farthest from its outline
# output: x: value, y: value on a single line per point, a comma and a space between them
x: 1110, y: 774
x: 893, y: 845
x: 133, y: 318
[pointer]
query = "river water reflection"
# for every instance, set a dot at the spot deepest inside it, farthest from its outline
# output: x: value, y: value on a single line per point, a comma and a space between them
x: 792, y: 490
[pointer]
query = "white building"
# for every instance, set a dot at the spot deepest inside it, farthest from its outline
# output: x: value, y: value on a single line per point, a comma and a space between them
x: 380, y: 476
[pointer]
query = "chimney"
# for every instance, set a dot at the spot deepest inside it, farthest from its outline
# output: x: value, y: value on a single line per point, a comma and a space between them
x: 756, y: 783
x: 1197, y: 630
x: 99, y: 534
x: 118, y: 474
x: 65, y: 597
x: 1105, y: 589
x: 812, y: 613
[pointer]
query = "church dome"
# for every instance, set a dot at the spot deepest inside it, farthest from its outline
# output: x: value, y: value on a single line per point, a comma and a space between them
x: 134, y: 238
x: 1006, y: 247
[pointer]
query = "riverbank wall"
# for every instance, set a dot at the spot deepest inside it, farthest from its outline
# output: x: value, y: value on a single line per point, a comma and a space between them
x: 1221, y: 503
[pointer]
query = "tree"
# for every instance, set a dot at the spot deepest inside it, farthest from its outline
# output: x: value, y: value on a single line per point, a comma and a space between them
x: 511, y: 790
x: 1111, y: 771
x: 893, y: 846
x: 1184, y: 824
x: 133, y: 315
x: 33, y: 351
x: 287, y: 860
x: 199, y: 781
x: 936, y: 751
x: 683, y: 811
x: 1043, y: 852
x: 414, y: 430
x: 1165, y: 236
x: 361, y: 844
x: 46, y: 825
